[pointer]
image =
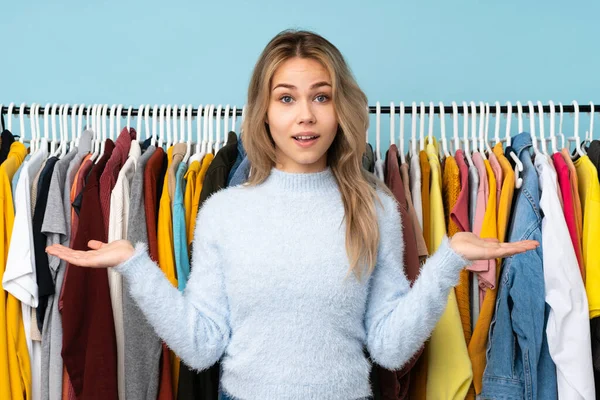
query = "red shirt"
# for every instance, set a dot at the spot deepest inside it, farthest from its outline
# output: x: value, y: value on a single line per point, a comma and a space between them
x: 89, y: 344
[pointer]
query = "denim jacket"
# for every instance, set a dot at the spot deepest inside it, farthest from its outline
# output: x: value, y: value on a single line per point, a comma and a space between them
x: 519, y: 365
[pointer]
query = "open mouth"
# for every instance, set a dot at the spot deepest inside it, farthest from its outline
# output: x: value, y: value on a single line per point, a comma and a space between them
x: 305, y: 138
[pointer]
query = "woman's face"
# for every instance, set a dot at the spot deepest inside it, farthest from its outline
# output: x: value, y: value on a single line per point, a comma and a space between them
x: 301, y: 115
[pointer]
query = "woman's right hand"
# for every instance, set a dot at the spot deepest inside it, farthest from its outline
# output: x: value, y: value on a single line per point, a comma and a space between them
x: 102, y: 255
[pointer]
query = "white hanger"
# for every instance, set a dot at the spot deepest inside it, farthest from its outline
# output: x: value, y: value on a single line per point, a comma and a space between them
x: 576, y: 130
x: 95, y: 148
x: 10, y: 116
x: 508, y: 122
x: 413, y: 143
x: 60, y: 131
x: 455, y: 126
x: 431, y: 118
x: 532, y: 127
x: 22, y: 122
x: 140, y: 117
x: 552, y: 127
x: 497, y: 123
x: 443, y: 129
x: 79, y: 124
x: 466, y: 134
x: 243, y: 118
x: 560, y: 125
x: 226, y: 119
x: 177, y: 133
x: 378, y: 131
x: 161, y: 126
x: 520, y: 116
x: 46, y: 118
x: 54, y: 142
x: 590, y: 134
x: 487, y: 126
x: 149, y: 133
x: 518, y: 164
x: 234, y: 116
x: 218, y: 121
x: 422, y: 127
x: 402, y: 113
x: 542, y: 134
x: 111, y: 122
x: 118, y: 119
x: 32, y: 121
x: 392, y: 123
x: 474, y: 140
x: 72, y: 145
x: 196, y: 152
x: 205, y: 121
x: 183, y: 120
x: 103, y: 119
x: 65, y: 140
x: 211, y: 116
x: 165, y: 113
x: 481, y: 129
x: 188, y: 150
x: 138, y: 132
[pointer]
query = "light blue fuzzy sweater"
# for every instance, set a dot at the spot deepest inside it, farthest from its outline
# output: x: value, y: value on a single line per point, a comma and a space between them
x: 267, y: 293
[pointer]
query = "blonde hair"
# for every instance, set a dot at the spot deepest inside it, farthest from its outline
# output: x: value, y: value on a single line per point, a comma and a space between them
x: 357, y: 186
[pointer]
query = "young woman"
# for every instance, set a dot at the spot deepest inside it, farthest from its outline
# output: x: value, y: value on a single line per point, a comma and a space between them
x: 296, y: 271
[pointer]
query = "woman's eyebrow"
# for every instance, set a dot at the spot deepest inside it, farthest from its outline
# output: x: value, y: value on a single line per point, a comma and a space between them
x: 292, y: 87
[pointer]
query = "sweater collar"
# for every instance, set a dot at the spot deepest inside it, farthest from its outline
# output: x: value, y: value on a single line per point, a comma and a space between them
x: 322, y: 181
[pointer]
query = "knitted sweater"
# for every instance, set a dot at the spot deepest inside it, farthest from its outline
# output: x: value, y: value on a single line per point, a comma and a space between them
x: 267, y: 294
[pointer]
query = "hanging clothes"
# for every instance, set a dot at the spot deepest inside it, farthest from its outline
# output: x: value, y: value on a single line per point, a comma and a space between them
x: 15, y: 368
x: 6, y: 141
x: 566, y: 191
x: 188, y: 198
x: 589, y: 193
x: 117, y: 229
x: 142, y: 345
x: 421, y: 246
x: 449, y: 375
x: 180, y: 242
x: 205, y: 384
x: 565, y: 294
x: 519, y: 324
x: 415, y: 189
x: 57, y: 227
x: 88, y: 324
x: 206, y: 161
x: 426, y: 204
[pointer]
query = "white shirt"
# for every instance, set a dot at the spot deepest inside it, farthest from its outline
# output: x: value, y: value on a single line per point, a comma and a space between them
x: 117, y: 229
x: 568, y: 327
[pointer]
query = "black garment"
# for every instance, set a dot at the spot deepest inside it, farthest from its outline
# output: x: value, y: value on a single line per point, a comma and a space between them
x: 205, y: 385
x: 593, y: 152
x: 218, y: 171
x: 7, y: 140
x: 368, y: 159
x: 145, y: 144
x: 42, y: 268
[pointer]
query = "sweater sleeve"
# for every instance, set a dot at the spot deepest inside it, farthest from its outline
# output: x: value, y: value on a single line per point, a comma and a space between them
x: 193, y: 323
x: 398, y: 318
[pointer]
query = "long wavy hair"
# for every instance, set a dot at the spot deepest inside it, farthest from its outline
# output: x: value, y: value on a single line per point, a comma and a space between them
x: 357, y: 186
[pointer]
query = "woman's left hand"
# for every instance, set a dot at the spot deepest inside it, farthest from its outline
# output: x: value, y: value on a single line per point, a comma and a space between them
x: 473, y: 248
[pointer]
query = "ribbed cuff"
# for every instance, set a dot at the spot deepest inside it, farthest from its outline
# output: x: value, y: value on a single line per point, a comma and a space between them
x: 135, y: 264
x: 450, y: 261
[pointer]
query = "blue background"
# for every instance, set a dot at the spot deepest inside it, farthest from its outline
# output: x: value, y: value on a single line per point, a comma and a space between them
x: 199, y: 52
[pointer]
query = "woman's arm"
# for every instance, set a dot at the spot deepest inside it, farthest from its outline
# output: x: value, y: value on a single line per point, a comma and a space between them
x: 194, y: 324
x: 398, y: 318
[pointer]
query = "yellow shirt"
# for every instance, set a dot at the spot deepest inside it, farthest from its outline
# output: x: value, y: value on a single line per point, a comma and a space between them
x: 15, y: 369
x: 188, y: 198
x: 196, y: 200
x: 449, y: 372
x: 166, y: 255
x: 478, y: 343
x: 589, y: 192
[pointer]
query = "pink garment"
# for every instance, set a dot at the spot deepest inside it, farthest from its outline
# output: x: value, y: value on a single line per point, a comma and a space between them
x: 564, y: 182
x: 460, y: 211
x: 495, y: 164
x: 485, y: 275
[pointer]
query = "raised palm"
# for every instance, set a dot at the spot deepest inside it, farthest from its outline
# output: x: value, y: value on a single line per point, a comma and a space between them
x: 472, y: 247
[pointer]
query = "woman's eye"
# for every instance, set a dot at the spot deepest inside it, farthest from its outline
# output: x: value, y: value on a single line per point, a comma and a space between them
x: 286, y: 99
x: 322, y: 98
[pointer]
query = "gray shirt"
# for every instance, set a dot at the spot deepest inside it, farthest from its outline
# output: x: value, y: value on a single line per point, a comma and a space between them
x: 142, y: 345
x: 57, y: 227
x: 473, y: 188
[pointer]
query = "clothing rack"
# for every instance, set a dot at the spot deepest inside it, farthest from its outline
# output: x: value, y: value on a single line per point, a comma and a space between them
x: 567, y: 108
